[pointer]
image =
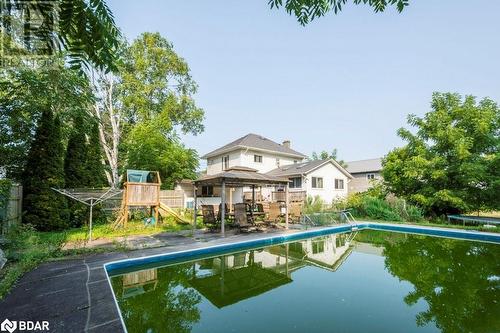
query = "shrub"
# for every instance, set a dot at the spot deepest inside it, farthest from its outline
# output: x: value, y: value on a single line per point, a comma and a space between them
x: 313, y: 204
x: 389, y: 208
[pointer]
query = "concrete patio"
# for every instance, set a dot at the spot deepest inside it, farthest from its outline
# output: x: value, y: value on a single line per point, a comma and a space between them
x: 74, y: 294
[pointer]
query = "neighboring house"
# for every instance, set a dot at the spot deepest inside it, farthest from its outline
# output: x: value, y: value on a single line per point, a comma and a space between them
x: 365, y: 173
x: 252, y: 151
x: 324, y: 178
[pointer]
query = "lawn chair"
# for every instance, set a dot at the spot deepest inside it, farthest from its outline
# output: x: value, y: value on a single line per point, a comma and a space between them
x: 209, y: 220
x: 219, y: 212
x: 274, y: 214
x: 242, y: 220
x: 295, y: 211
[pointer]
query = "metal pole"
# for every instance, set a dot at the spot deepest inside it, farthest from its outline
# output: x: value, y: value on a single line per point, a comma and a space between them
x: 90, y: 219
x: 286, y: 206
x: 223, y: 207
x: 195, y: 213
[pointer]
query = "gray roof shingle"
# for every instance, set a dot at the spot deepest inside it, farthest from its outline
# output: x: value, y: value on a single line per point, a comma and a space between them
x: 371, y: 165
x: 257, y: 142
x: 303, y: 168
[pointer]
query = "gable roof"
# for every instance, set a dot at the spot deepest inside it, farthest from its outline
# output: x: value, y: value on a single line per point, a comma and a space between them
x: 374, y: 164
x: 257, y: 142
x: 305, y: 168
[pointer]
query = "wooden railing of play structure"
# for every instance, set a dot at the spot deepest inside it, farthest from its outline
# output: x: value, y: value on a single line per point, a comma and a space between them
x: 142, y: 194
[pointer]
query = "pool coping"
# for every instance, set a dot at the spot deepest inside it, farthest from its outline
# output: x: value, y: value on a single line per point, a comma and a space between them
x: 117, y: 265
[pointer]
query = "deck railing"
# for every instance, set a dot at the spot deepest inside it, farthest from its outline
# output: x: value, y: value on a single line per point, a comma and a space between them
x: 293, y: 196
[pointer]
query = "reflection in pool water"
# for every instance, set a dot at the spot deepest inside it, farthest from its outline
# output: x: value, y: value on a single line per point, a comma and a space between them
x: 376, y: 282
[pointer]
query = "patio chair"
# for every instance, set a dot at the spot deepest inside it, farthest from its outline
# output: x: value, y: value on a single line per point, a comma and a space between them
x: 242, y: 220
x: 209, y: 217
x: 274, y: 214
x: 219, y: 212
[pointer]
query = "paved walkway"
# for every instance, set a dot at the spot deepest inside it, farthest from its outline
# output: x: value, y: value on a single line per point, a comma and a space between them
x: 74, y: 294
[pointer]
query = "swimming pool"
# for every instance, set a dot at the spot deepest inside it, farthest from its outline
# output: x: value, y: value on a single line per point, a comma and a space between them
x: 366, y: 281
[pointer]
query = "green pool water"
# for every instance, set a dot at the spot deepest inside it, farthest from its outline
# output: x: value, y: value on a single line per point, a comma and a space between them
x: 372, y: 281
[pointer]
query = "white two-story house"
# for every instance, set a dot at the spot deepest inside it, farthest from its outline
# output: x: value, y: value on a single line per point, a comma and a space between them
x: 326, y: 179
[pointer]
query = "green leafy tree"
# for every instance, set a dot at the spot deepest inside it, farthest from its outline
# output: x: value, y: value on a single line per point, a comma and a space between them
x: 308, y: 10
x: 149, y: 149
x: 324, y: 155
x: 155, y: 94
x: 156, y: 86
x: 450, y: 162
x: 24, y: 93
x: 85, y: 29
x: 43, y: 207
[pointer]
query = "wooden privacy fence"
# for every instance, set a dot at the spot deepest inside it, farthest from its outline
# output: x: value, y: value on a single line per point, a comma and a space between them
x: 12, y: 213
x: 172, y: 198
x: 293, y: 196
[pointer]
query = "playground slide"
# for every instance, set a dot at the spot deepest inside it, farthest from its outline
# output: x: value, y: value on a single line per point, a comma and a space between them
x: 165, y: 210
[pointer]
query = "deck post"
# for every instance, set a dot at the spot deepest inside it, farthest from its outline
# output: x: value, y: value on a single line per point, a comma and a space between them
x: 286, y: 206
x: 253, y: 197
x: 195, y: 213
x: 223, y: 207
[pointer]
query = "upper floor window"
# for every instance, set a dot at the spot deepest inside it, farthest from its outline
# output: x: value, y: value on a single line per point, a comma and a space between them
x: 207, y: 191
x: 317, y: 182
x: 225, y: 162
x: 339, y: 184
x: 370, y: 176
x: 210, y: 161
x: 257, y: 158
x: 296, y: 182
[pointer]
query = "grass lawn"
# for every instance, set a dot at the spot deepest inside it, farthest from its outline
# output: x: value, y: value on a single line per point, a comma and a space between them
x: 26, y: 248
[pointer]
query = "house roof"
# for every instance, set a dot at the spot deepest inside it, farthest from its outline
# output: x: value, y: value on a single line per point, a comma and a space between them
x: 304, y: 168
x: 240, y: 177
x: 257, y: 142
x: 374, y: 164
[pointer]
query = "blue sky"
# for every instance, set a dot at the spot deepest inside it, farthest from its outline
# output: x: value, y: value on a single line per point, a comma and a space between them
x: 344, y: 81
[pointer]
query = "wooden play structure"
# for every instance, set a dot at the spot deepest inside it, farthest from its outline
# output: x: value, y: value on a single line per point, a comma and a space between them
x: 142, y: 189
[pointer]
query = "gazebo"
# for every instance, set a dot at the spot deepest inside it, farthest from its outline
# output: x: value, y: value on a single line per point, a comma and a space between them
x: 239, y: 177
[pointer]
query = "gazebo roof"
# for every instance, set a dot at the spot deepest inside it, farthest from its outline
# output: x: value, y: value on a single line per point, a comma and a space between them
x: 240, y: 176
x: 238, y: 284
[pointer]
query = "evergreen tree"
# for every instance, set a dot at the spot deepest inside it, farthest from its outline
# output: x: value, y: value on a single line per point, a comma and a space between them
x: 44, y: 208
x: 75, y: 168
x: 95, y: 167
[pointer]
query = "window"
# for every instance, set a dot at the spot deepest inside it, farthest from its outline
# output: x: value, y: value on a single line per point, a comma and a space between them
x: 370, y: 176
x: 318, y: 246
x: 210, y: 161
x: 257, y: 158
x: 225, y: 162
x: 317, y: 182
x: 278, y: 162
x: 339, y: 184
x: 295, y: 161
x: 207, y: 191
x: 296, y: 182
